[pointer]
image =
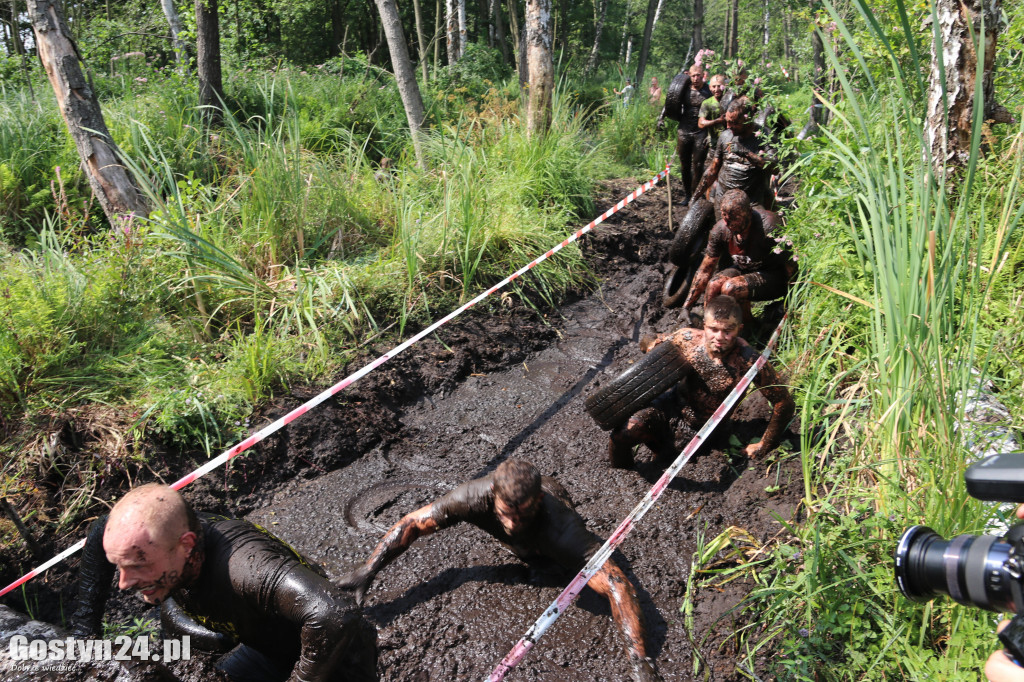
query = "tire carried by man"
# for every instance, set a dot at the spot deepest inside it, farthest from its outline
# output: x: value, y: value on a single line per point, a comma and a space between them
x: 633, y: 390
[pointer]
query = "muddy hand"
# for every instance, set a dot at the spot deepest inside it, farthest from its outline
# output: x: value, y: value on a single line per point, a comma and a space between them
x: 358, y: 581
x: 753, y: 451
x: 643, y: 669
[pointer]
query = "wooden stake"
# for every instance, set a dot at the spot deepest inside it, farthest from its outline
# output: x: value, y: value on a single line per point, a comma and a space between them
x: 33, y: 546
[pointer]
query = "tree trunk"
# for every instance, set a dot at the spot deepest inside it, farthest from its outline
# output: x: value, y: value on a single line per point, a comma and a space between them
x: 338, y: 27
x: 518, y: 42
x: 539, y: 65
x: 767, y: 35
x: 405, y: 75
x: 420, y: 38
x: 500, y: 35
x: 625, y: 30
x: 598, y: 27
x: 629, y: 49
x: 951, y: 99
x: 211, y: 86
x: 462, y: 27
x: 563, y: 27
x: 819, y: 114
x: 437, y: 37
x: 697, y: 43
x: 180, y: 49
x: 452, y: 24
x: 727, y: 38
x: 645, y: 46
x: 734, y: 41
x: 111, y: 183
x: 787, y: 45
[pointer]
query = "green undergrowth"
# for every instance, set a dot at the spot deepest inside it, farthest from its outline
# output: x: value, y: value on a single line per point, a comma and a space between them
x: 280, y: 244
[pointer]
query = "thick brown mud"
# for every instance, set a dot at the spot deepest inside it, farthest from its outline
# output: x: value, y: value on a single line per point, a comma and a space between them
x: 512, y: 385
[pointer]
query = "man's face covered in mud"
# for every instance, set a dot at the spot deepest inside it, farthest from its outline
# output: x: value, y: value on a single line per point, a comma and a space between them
x: 516, y: 518
x: 151, y: 565
x: 720, y: 335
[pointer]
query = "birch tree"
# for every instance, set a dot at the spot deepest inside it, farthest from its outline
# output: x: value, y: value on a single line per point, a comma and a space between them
x: 645, y: 46
x: 954, y: 67
x: 420, y: 38
x: 539, y: 66
x: 108, y: 177
x: 180, y: 49
x: 599, y: 15
x: 405, y: 75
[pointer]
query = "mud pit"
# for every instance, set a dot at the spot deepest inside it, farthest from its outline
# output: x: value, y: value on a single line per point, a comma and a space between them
x: 454, y: 604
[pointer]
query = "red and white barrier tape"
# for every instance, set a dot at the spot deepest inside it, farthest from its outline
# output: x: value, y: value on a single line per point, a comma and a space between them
x: 562, y: 602
x: 344, y: 383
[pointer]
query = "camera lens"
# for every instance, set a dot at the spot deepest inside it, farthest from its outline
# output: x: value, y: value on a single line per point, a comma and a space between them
x: 969, y: 568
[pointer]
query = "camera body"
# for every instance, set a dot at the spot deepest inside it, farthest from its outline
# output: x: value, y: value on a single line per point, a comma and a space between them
x: 974, y: 570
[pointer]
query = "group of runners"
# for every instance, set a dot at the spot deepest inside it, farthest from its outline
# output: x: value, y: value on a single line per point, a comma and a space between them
x: 235, y: 588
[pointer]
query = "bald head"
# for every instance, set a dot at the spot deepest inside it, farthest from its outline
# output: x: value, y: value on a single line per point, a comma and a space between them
x: 149, y: 536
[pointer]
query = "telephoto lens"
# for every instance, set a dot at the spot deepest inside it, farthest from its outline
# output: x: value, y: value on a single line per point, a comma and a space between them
x: 971, y: 569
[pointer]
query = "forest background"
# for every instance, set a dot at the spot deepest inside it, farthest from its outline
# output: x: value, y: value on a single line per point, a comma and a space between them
x: 290, y: 221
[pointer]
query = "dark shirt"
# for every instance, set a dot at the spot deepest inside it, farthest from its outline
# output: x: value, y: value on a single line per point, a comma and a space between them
x: 692, y: 99
x: 737, y: 171
x: 252, y: 587
x: 557, y: 531
x: 755, y: 253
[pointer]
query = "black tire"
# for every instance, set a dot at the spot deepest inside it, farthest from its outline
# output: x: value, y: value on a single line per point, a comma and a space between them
x: 770, y: 220
x: 677, y: 285
x: 674, y: 96
x: 637, y: 387
x: 699, y: 219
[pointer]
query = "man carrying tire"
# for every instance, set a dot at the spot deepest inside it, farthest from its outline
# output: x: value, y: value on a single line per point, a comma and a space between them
x: 758, y: 269
x: 708, y: 365
x: 689, y: 137
x: 534, y: 517
x: 738, y: 160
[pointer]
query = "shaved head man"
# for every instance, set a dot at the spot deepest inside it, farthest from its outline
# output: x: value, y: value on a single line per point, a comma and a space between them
x: 227, y: 584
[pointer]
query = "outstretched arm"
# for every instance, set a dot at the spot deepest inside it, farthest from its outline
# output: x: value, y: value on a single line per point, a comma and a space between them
x: 709, y: 177
x: 610, y: 582
x: 783, y: 408
x: 700, y: 280
x: 93, y: 584
x: 412, y: 526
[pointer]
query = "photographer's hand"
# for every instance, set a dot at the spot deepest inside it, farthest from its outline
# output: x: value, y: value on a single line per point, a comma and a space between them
x: 1000, y: 667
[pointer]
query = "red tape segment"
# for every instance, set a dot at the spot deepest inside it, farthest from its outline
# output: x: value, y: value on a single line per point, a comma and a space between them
x: 557, y: 608
x: 229, y: 454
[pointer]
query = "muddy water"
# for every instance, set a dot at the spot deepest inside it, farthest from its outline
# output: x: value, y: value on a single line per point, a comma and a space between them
x: 504, y: 385
x: 454, y: 604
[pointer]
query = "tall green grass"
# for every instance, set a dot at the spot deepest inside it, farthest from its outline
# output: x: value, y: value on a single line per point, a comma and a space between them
x: 889, y: 342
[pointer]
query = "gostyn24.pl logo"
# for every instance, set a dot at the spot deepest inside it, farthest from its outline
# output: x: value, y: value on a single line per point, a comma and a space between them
x: 71, y: 649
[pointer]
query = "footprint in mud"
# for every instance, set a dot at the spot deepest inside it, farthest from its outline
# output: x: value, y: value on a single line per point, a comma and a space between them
x: 363, y: 509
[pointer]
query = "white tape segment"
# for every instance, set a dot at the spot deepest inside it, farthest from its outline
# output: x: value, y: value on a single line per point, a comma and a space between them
x: 565, y: 599
x: 227, y: 455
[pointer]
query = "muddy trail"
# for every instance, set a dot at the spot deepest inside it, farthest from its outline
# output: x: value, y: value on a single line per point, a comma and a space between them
x: 513, y: 385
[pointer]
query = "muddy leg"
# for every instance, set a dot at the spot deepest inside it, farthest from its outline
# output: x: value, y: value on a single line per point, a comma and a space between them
x: 649, y: 427
x: 737, y: 288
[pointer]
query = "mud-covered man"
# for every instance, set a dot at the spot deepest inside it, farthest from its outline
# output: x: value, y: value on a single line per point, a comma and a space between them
x: 534, y: 517
x: 224, y: 582
x: 711, y: 117
x: 756, y: 267
x: 690, y: 138
x: 738, y: 160
x: 715, y: 359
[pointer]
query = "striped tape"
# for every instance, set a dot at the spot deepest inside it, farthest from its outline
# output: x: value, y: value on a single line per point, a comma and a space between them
x: 565, y: 599
x: 241, y: 447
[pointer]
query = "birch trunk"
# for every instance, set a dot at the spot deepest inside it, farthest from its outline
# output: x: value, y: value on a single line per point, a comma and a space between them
x: 452, y: 24
x: 462, y: 27
x: 180, y: 49
x: 111, y: 183
x: 539, y: 65
x: 625, y: 29
x: 420, y: 39
x: 405, y: 75
x: 767, y: 35
x: 602, y: 11
x: 954, y: 68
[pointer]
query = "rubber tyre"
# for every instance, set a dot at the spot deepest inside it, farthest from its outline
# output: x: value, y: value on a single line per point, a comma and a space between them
x: 677, y: 285
x: 699, y: 219
x: 674, y: 96
x: 633, y: 390
x: 770, y: 220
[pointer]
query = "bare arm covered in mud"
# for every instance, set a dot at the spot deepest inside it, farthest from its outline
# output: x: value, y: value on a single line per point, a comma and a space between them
x: 611, y: 583
x: 709, y: 177
x: 701, y: 279
x: 412, y: 527
x: 783, y: 409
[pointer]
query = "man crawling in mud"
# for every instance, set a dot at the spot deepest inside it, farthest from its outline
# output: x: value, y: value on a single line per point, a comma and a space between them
x: 533, y: 516
x: 758, y: 269
x: 716, y: 359
x: 244, y: 585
